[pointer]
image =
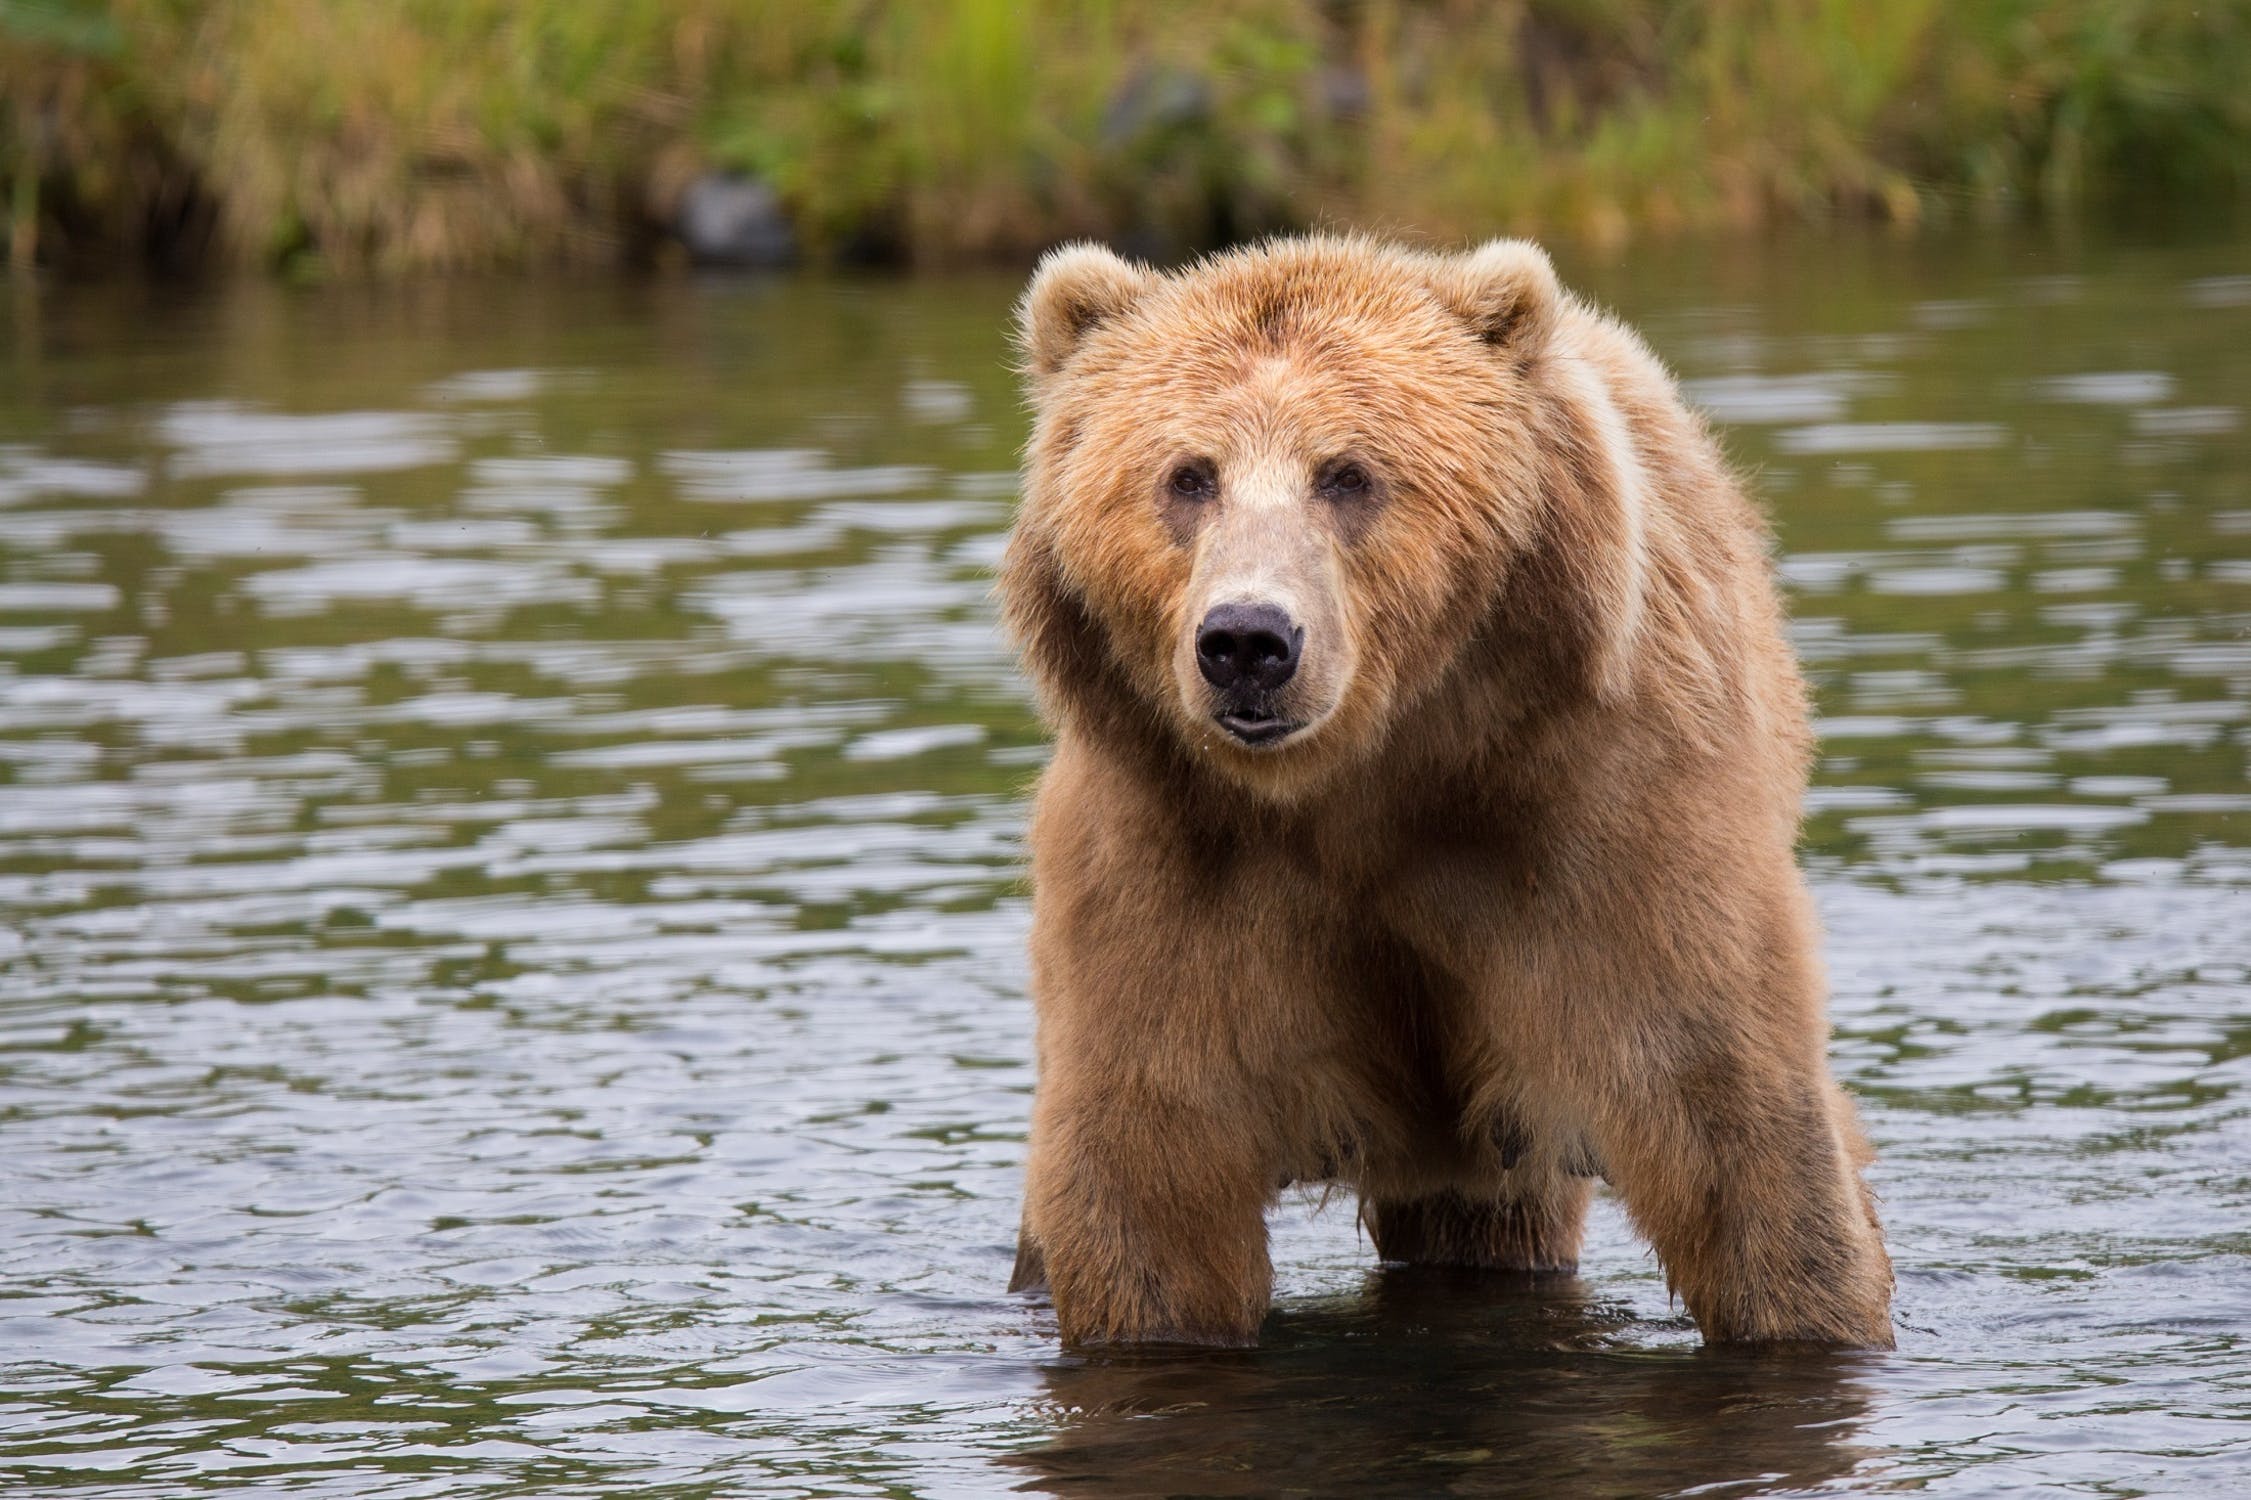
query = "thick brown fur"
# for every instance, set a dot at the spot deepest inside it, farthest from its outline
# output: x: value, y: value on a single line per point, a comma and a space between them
x: 1516, y: 906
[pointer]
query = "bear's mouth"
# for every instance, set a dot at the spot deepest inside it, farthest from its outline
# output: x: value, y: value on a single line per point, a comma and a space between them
x: 1256, y: 726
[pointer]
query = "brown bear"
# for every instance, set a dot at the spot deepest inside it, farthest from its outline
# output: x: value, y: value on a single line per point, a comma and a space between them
x: 1427, y: 775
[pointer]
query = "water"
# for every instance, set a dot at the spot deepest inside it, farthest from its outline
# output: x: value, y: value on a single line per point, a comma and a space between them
x: 510, y: 817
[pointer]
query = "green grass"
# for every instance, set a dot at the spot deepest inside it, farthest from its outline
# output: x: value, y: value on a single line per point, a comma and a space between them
x: 407, y: 135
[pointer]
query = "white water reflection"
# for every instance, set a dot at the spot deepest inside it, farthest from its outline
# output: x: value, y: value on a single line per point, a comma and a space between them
x: 223, y: 438
x: 1889, y: 437
x: 2108, y: 388
x: 784, y: 474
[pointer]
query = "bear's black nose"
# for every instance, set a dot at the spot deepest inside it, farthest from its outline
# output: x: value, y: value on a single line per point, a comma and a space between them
x: 1244, y: 648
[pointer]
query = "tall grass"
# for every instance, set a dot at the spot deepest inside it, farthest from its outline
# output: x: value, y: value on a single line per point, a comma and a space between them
x: 392, y: 135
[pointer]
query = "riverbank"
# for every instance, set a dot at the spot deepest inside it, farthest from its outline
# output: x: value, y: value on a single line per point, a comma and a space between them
x: 319, y: 138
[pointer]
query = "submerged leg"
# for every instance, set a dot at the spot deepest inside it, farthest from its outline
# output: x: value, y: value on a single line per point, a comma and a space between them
x: 1536, y: 1226
x: 1751, y: 1194
x: 1147, y: 1216
x: 1030, y: 1273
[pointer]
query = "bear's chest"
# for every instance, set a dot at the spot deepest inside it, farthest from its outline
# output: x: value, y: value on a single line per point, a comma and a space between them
x: 1448, y: 884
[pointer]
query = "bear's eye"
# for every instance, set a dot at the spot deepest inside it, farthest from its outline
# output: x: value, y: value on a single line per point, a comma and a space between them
x: 1345, y: 481
x: 1193, y: 482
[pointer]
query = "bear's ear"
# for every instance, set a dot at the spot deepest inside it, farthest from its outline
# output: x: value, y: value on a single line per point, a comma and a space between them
x: 1505, y: 290
x: 1075, y: 288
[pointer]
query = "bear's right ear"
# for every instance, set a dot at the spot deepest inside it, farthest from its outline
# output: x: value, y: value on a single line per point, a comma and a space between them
x: 1505, y: 290
x: 1075, y: 288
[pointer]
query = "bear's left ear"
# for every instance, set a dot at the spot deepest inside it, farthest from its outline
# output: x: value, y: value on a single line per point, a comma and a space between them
x: 1075, y: 288
x: 1505, y: 290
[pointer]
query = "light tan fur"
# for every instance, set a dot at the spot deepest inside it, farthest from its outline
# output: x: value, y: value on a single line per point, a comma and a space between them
x: 1517, y: 904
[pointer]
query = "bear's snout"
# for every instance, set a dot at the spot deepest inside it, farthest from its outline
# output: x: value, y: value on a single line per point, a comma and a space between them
x: 1248, y: 648
x: 1248, y: 651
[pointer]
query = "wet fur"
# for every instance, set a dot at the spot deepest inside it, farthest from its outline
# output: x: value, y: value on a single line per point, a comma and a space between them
x: 1523, y: 908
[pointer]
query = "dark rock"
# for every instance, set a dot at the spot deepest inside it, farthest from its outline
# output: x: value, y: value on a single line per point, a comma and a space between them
x: 726, y: 220
x: 1343, y: 92
x: 1155, y: 101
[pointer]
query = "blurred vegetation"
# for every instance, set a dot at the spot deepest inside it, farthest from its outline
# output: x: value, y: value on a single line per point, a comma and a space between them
x: 389, y: 135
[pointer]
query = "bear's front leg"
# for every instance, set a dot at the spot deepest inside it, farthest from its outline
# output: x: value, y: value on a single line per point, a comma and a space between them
x: 1148, y: 1212
x: 1745, y: 1176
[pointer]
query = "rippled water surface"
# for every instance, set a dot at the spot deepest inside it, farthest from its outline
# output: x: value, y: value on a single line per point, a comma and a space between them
x: 510, y: 801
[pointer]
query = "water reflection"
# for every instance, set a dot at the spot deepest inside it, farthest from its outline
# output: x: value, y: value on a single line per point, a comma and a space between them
x: 1435, y: 1383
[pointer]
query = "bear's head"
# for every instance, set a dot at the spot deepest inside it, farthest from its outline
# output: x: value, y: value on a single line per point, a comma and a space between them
x: 1274, y: 503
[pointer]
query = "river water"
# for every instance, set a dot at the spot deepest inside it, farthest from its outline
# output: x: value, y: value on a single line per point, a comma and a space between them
x: 510, y: 806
